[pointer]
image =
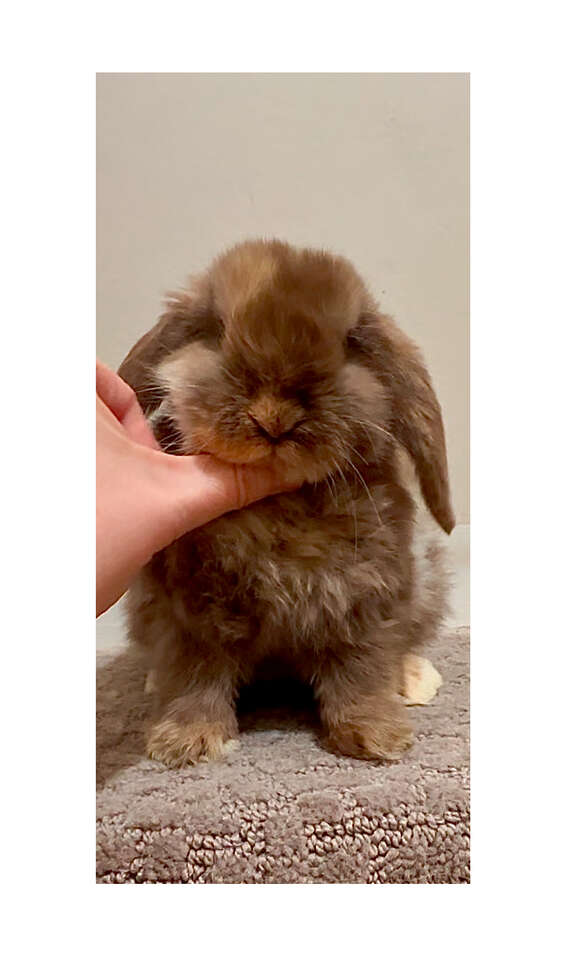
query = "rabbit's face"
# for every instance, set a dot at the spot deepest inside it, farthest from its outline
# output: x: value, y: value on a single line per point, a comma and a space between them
x: 278, y: 353
x: 272, y: 372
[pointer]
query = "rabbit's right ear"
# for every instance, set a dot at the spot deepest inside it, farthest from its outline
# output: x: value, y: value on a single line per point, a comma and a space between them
x: 186, y: 318
x: 137, y: 369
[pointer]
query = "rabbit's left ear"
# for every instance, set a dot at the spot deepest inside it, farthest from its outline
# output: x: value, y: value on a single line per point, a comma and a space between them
x: 416, y: 415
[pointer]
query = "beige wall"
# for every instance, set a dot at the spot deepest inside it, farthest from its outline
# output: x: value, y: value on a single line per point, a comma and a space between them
x: 372, y: 166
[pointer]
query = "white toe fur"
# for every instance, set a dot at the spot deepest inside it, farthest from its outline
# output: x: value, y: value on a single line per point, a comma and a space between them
x: 420, y: 680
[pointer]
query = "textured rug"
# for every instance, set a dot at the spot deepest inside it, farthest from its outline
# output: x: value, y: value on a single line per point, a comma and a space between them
x: 281, y: 809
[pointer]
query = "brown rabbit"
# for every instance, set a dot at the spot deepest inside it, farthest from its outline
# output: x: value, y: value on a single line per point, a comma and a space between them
x: 281, y: 353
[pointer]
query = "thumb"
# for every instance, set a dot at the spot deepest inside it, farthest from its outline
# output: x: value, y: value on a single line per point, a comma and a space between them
x: 194, y: 490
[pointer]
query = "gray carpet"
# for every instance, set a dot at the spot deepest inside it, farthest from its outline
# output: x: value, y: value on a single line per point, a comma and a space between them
x: 281, y: 809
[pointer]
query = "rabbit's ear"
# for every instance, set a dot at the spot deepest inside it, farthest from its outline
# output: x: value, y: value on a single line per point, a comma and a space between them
x: 187, y: 318
x: 139, y: 365
x: 416, y: 415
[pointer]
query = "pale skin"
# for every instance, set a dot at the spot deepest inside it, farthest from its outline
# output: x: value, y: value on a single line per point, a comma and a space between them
x: 147, y: 498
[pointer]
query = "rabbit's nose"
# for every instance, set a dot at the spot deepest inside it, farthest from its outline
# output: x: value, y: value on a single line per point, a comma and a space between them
x: 273, y: 430
x: 274, y: 420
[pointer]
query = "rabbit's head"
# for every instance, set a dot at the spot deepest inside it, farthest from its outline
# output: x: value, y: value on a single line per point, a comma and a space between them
x: 278, y: 353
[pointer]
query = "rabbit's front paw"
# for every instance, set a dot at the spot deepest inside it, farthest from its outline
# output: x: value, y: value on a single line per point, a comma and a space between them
x: 384, y: 737
x: 178, y: 745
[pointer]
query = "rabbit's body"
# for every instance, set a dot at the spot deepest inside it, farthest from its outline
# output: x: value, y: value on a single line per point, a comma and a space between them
x: 339, y: 577
x: 287, y: 573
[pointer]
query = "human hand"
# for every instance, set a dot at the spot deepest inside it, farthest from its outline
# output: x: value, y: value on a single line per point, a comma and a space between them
x: 147, y: 498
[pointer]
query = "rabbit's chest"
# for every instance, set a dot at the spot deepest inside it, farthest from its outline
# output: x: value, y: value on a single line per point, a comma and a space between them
x: 293, y: 566
x: 260, y: 540
x: 286, y: 574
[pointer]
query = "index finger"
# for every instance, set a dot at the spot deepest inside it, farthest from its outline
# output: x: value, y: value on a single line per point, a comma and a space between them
x: 121, y: 400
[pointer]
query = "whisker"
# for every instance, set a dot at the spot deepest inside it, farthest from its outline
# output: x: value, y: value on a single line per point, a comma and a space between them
x: 356, y: 528
x: 385, y: 432
x: 368, y: 494
x: 358, y: 454
x: 332, y: 491
x: 353, y: 505
x: 370, y: 425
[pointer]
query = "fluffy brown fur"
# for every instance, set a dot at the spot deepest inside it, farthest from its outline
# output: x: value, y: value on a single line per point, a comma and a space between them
x: 281, y: 353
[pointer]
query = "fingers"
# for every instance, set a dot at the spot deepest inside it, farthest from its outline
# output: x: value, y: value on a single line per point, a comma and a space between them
x: 245, y: 484
x: 197, y: 489
x: 114, y: 392
x: 233, y: 486
x: 123, y: 404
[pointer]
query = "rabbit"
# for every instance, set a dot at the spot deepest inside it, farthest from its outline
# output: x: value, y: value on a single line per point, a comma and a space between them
x: 279, y: 353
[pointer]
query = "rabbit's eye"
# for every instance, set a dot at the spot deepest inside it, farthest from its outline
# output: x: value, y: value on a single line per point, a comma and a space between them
x: 357, y: 338
x: 299, y: 394
x: 206, y: 325
x: 353, y: 340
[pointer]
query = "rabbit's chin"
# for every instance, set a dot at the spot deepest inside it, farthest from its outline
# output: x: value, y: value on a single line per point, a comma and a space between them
x: 298, y: 465
x: 297, y: 469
